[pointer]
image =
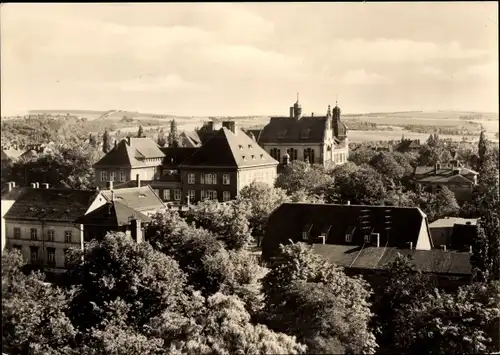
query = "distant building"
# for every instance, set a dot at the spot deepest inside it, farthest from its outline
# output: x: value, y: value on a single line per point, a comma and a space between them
x: 408, y: 145
x: 461, y: 181
x: 453, y: 233
x: 315, y: 139
x: 226, y: 161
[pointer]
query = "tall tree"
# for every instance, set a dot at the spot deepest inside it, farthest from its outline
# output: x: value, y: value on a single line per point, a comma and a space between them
x: 140, y: 132
x: 482, y: 150
x: 106, y: 142
x: 161, y: 141
x: 173, y: 135
x: 301, y: 283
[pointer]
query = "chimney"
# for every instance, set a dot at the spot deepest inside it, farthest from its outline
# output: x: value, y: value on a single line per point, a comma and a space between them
x: 138, y: 180
x: 110, y: 185
x: 45, y: 186
x: 312, y: 114
x: 436, y: 168
x: 9, y: 184
x: 443, y: 247
x: 128, y: 140
x: 210, y: 125
x: 230, y: 125
x: 136, y: 230
x: 33, y: 185
x: 378, y: 239
x: 470, y: 249
x: 323, y: 239
x: 411, y: 245
x: 291, y: 111
x: 37, y: 185
x: 348, y: 203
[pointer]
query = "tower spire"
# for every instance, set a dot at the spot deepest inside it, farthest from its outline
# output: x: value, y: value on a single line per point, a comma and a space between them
x: 336, y: 99
x: 297, y: 97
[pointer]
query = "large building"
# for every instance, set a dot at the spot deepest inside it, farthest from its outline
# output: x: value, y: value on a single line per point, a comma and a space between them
x: 314, y: 139
x: 227, y: 160
x: 460, y: 180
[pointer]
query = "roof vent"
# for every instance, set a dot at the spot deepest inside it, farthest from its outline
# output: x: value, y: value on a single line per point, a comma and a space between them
x: 142, y: 195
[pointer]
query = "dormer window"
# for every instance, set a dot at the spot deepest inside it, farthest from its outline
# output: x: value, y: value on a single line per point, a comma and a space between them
x: 349, y: 233
x: 348, y: 238
x: 367, y: 238
x: 262, y: 156
x: 244, y: 157
x: 241, y: 147
x: 249, y: 146
x: 306, y: 232
x: 253, y: 157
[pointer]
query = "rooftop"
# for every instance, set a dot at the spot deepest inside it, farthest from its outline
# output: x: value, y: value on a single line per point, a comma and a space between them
x: 112, y: 214
x: 431, y: 174
x: 449, y: 222
x: 138, y: 198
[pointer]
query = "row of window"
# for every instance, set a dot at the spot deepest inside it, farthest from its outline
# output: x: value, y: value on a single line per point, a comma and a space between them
x: 112, y: 176
x: 50, y: 252
x: 339, y: 158
x: 209, y: 194
x: 68, y: 235
x: 208, y: 179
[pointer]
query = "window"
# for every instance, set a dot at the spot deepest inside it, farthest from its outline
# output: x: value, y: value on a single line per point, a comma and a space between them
x: 177, y: 195
x: 123, y: 177
x: 226, y: 196
x: 348, y: 238
x: 367, y: 238
x: 253, y: 157
x: 112, y: 176
x: 208, y: 179
x: 202, y: 179
x: 275, y: 153
x: 211, y: 194
x: 304, y: 235
x: 18, y: 247
x: 202, y: 194
x: 50, y: 235
x: 157, y: 191
x: 191, y: 195
x: 225, y: 179
x: 51, y: 256
x: 191, y: 179
x: 249, y: 146
x: 244, y: 158
x: 166, y: 195
x: 17, y: 233
x: 34, y: 255
x: 67, y: 236
x: 33, y: 233
x: 104, y: 176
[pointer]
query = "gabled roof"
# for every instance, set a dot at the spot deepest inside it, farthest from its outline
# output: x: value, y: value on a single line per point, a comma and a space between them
x: 288, y: 221
x: 146, y: 147
x: 449, y: 222
x: 430, y: 174
x: 190, y: 139
x: 11, y: 154
x: 56, y: 205
x: 13, y: 194
x: 290, y: 130
x: 121, y: 155
x: 112, y: 214
x: 431, y: 261
x: 138, y: 198
x: 225, y: 148
x: 131, y: 155
x: 175, y: 156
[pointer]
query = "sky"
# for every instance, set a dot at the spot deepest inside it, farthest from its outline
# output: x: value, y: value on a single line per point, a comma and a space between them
x: 249, y: 58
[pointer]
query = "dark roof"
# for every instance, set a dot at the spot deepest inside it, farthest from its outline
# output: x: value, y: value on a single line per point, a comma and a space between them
x: 14, y: 193
x: 432, y: 261
x: 112, y: 214
x: 228, y: 149
x: 291, y: 130
x: 462, y: 236
x: 205, y: 135
x: 430, y: 174
x: 288, y: 222
x: 138, y: 198
x: 131, y: 155
x: 61, y: 205
x: 175, y: 156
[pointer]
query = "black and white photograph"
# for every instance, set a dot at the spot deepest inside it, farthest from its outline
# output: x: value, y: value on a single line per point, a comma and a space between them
x: 250, y: 178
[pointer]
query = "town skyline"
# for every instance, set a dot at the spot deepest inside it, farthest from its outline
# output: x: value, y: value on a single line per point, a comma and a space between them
x: 250, y: 59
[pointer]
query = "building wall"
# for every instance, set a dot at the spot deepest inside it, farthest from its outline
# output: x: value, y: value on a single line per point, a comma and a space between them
x: 424, y: 238
x: 266, y: 175
x: 198, y: 186
x: 145, y: 173
x: 6, y: 205
x: 42, y: 242
x: 322, y: 155
x: 463, y: 192
x: 441, y: 236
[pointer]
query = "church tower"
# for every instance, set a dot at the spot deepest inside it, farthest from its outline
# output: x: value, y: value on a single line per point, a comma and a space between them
x: 338, y: 127
x: 296, y: 110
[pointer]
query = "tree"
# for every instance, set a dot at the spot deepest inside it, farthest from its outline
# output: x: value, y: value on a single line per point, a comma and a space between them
x: 92, y: 140
x: 387, y: 166
x: 302, y: 176
x: 106, y: 142
x: 140, y: 132
x: 302, y: 283
x: 33, y: 312
x: 482, y: 150
x: 441, y: 205
x: 362, y: 155
x: 450, y: 323
x: 236, y: 273
x: 403, y: 287
x: 228, y: 221
x: 219, y: 324
x: 161, y: 138
x: 118, y: 268
x: 173, y: 135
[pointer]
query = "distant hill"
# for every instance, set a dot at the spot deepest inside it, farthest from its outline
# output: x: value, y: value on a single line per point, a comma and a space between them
x: 109, y: 115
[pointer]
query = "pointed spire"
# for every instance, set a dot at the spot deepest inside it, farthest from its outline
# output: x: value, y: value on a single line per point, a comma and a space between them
x: 336, y: 100
x: 297, y: 97
x: 329, y: 112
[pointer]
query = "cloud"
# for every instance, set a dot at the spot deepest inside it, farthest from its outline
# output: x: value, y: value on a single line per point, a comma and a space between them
x: 399, y: 50
x: 362, y: 77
